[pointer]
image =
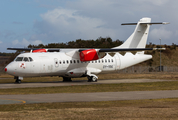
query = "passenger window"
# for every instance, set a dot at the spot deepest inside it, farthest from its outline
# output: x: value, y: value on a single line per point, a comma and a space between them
x: 95, y: 61
x: 106, y: 60
x: 64, y: 62
x: 19, y: 59
x: 99, y: 61
x: 70, y: 61
x: 112, y: 60
x: 74, y: 61
x: 60, y: 62
x: 102, y: 61
x: 25, y: 59
x: 30, y: 59
x: 77, y: 61
x: 67, y: 61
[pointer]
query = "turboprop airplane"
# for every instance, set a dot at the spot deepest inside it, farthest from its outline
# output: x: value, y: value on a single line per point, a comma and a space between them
x: 72, y: 63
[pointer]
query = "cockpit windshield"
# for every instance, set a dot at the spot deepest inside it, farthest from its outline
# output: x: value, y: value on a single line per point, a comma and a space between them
x: 19, y: 59
x: 25, y: 59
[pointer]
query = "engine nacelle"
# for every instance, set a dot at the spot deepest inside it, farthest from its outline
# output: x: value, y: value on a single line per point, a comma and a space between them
x: 39, y: 50
x: 89, y: 55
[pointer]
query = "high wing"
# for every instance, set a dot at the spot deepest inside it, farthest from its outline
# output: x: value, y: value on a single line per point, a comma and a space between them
x: 83, y: 49
x: 36, y: 49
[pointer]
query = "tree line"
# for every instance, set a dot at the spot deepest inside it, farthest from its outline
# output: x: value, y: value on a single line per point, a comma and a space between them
x: 79, y: 43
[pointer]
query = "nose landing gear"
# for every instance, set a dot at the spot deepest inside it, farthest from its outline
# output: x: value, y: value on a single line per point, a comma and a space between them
x: 18, y: 79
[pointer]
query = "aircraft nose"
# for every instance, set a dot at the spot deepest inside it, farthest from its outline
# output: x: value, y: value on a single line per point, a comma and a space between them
x: 9, y: 69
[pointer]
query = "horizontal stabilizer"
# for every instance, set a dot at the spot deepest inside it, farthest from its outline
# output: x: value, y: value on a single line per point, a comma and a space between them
x: 153, y: 23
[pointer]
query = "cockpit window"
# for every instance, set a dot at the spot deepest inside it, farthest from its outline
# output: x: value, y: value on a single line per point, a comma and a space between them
x: 30, y: 59
x: 25, y: 59
x: 19, y: 59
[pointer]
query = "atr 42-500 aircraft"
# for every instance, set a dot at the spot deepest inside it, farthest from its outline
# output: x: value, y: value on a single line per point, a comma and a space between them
x: 72, y: 63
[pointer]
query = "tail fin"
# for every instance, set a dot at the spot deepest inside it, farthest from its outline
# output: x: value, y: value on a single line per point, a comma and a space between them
x: 139, y: 37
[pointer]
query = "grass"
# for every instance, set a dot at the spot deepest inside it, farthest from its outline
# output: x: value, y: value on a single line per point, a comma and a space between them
x: 171, y: 85
x: 157, y: 109
x: 136, y: 109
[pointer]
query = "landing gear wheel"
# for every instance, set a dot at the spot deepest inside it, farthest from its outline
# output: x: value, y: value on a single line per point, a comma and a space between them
x: 92, y: 79
x: 18, y: 81
x: 67, y: 79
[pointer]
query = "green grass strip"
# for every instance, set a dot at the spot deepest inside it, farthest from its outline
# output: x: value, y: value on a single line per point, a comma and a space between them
x: 170, y: 85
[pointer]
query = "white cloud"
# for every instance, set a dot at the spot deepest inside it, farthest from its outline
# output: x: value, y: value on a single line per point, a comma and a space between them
x: 91, y: 19
x: 160, y: 33
x: 67, y: 24
x: 36, y: 42
x: 154, y: 2
x: 15, y: 42
x: 25, y: 42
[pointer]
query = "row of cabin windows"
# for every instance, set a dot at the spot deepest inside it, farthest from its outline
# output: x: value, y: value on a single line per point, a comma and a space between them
x: 77, y: 61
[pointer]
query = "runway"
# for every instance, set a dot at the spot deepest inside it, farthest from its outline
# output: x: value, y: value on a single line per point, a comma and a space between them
x: 79, y: 82
x: 83, y: 97
x: 86, y: 97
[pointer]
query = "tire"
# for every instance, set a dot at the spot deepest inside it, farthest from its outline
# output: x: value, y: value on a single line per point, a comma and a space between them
x: 93, y: 79
x: 18, y: 81
x: 67, y: 79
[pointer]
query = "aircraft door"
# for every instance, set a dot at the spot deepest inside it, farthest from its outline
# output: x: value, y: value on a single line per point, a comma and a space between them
x: 117, y: 61
x: 45, y: 65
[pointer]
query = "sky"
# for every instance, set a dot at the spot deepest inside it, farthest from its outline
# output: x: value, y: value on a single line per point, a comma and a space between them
x: 24, y: 22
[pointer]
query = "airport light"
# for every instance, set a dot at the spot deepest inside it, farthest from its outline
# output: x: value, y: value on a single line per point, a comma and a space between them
x: 160, y: 56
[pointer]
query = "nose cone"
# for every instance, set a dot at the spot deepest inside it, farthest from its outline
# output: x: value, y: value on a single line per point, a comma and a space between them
x: 5, y: 69
x: 10, y: 69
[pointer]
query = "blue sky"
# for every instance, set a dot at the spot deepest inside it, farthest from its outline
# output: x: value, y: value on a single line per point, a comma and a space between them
x: 25, y: 22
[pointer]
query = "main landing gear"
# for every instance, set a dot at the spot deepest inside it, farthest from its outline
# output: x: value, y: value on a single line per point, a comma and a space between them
x: 92, y: 78
x: 67, y: 79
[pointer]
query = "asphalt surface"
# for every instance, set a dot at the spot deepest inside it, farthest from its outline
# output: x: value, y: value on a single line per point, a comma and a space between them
x: 83, y: 97
x: 79, y: 82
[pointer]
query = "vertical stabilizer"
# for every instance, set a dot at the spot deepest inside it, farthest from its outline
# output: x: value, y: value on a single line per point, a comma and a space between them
x: 139, y: 37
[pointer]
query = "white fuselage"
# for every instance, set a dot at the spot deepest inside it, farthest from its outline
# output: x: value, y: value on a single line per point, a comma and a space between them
x: 61, y: 64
